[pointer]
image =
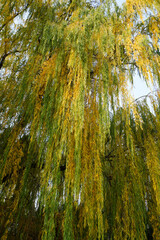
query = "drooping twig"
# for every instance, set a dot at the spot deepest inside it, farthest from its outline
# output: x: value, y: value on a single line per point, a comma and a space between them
x: 147, y: 95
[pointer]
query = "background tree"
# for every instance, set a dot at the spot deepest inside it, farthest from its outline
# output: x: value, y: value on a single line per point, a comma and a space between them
x: 79, y: 157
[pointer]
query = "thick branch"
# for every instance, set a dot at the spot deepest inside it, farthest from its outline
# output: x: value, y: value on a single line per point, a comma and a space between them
x: 12, y: 17
x: 2, y: 59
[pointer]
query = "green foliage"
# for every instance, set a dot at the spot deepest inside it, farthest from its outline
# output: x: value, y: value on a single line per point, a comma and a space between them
x: 79, y: 157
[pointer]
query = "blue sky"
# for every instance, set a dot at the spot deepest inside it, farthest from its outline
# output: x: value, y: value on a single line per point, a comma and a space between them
x: 120, y: 1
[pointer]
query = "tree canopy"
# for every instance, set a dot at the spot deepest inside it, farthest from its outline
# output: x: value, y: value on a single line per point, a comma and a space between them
x: 80, y: 157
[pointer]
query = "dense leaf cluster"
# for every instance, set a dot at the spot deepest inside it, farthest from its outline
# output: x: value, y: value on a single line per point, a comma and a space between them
x: 80, y: 158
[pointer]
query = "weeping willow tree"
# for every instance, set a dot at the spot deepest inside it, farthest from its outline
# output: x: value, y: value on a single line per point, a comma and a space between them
x: 80, y: 158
